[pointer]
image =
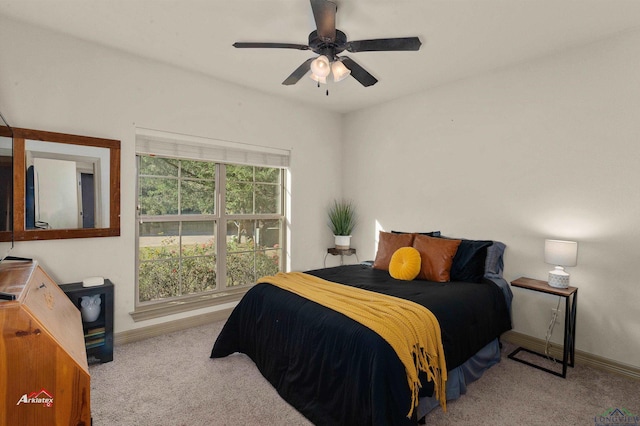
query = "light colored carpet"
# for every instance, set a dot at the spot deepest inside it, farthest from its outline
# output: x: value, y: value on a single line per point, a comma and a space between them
x: 170, y: 380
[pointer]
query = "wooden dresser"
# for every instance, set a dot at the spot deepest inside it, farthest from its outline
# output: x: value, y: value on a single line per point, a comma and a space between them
x: 44, y: 375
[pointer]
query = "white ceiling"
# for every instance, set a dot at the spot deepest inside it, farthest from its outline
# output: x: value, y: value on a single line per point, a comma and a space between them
x: 459, y: 38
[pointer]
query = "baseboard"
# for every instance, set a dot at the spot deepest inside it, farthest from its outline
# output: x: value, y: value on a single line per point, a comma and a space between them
x: 583, y: 358
x: 142, y: 333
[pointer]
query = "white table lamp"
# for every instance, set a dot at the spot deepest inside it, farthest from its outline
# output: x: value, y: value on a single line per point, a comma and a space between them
x: 560, y: 253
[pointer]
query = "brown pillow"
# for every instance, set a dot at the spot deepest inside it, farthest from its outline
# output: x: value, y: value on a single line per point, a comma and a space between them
x: 388, y: 243
x: 437, y: 256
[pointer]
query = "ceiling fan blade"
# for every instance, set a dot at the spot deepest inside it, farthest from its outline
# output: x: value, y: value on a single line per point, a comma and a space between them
x: 270, y: 45
x: 324, y: 12
x: 358, y: 72
x: 298, y: 73
x: 384, y: 44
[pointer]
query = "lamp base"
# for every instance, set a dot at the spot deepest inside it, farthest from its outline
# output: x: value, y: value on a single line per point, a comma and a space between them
x: 558, y: 278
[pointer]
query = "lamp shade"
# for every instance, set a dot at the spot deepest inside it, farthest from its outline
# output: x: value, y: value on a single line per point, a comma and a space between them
x: 561, y: 253
x: 314, y: 77
x: 340, y: 72
x: 321, y: 67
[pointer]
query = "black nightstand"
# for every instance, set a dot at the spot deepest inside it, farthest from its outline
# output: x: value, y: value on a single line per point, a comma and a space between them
x: 98, y: 334
x: 571, y: 302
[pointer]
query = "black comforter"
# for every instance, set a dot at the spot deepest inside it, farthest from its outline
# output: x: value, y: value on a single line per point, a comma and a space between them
x: 336, y: 371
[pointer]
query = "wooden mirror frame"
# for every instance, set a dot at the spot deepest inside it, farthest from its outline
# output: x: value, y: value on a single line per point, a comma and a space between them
x: 5, y: 131
x: 20, y: 233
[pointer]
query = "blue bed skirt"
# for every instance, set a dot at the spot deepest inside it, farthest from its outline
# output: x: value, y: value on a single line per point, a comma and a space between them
x: 461, y: 376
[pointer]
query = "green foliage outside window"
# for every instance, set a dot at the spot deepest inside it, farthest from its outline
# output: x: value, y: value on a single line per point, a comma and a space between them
x: 252, y: 190
x: 168, y: 186
x: 245, y: 265
x: 177, y: 255
x: 164, y: 273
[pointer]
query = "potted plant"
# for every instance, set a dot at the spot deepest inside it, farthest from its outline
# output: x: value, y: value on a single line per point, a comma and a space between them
x: 342, y: 220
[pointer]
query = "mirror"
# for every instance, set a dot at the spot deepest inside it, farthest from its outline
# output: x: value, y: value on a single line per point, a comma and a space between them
x: 69, y: 186
x: 64, y: 186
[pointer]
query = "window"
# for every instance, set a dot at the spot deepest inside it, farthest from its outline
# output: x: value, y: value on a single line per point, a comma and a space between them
x: 253, y: 206
x: 206, y: 230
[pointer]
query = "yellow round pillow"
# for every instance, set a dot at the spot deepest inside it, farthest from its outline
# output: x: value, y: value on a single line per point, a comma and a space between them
x: 405, y: 264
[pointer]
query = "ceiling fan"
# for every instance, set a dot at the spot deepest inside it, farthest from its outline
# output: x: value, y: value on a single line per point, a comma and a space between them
x: 328, y: 42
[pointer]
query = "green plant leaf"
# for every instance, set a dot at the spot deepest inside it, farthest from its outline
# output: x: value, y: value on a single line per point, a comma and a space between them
x: 342, y: 217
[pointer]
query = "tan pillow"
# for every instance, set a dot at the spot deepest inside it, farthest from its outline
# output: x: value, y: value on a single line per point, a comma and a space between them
x: 388, y: 243
x: 436, y: 257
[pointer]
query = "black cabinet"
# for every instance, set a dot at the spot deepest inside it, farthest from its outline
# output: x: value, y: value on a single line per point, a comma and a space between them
x: 98, y: 334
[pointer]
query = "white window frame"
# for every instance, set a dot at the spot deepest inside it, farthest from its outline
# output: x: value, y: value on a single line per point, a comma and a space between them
x: 184, y: 147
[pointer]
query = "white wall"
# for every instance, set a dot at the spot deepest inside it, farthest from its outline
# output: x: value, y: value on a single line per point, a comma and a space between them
x: 546, y: 149
x: 56, y: 83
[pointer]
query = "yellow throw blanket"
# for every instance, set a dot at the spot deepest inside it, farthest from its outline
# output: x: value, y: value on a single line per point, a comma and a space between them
x: 411, y: 329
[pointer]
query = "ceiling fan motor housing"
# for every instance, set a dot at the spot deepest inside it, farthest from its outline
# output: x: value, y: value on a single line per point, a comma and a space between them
x: 328, y: 48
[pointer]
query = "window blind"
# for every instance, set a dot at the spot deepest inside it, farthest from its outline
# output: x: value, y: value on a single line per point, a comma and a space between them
x: 174, y: 145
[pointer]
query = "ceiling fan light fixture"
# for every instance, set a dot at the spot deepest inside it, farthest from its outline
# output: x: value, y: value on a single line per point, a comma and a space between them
x: 314, y: 77
x: 321, y: 67
x: 339, y: 70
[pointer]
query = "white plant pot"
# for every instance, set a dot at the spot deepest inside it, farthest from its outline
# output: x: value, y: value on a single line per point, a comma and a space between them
x: 343, y: 242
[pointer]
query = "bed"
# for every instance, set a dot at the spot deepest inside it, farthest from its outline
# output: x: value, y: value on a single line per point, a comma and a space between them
x: 336, y: 371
